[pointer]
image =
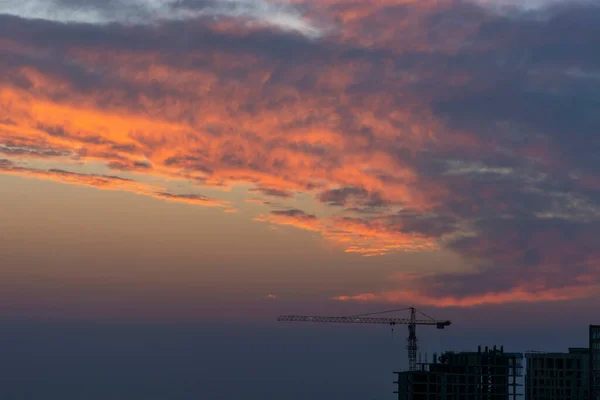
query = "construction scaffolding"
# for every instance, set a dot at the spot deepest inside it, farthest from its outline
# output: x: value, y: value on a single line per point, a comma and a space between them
x: 488, y: 374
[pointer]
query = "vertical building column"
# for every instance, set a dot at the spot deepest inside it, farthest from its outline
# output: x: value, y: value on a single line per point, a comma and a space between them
x: 594, y: 362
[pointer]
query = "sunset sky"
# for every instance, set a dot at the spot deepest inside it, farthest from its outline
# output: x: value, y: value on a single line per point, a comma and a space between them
x: 174, y: 174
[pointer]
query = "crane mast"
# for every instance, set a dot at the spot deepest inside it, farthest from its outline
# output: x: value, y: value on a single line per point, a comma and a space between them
x: 412, y: 322
x: 412, y: 345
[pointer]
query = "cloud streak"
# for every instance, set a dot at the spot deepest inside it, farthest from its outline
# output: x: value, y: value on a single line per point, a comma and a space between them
x: 109, y: 182
x: 261, y: 12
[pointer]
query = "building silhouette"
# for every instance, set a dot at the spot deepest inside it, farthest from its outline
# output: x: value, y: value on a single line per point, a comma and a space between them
x: 492, y: 374
x: 565, y: 376
x: 489, y: 374
x: 595, y: 362
x: 558, y: 376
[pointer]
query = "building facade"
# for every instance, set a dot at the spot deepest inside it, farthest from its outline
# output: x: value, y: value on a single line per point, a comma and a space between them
x: 595, y: 362
x: 558, y: 376
x: 490, y: 374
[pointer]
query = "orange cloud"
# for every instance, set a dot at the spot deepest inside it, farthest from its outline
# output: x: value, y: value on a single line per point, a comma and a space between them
x: 296, y: 218
x: 522, y: 294
x: 90, y: 180
x: 106, y: 182
x: 430, y: 289
x: 282, y: 155
x: 353, y: 236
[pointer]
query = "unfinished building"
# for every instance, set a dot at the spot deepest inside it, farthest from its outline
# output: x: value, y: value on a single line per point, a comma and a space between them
x: 558, y: 376
x: 488, y: 374
x: 565, y: 376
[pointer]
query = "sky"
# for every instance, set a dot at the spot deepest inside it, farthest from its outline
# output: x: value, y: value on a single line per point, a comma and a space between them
x: 175, y: 174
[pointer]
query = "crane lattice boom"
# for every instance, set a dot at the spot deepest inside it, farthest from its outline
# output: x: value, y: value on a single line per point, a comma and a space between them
x: 412, y: 323
x: 361, y: 320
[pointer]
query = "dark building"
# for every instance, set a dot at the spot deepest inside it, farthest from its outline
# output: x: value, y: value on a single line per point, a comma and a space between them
x: 595, y: 361
x: 565, y: 376
x: 558, y: 376
x: 490, y: 374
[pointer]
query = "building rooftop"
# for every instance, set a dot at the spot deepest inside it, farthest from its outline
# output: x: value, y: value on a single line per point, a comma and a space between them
x: 572, y: 351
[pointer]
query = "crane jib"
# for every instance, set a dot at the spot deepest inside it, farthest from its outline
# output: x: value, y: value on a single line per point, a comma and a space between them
x: 361, y: 320
x: 412, y: 323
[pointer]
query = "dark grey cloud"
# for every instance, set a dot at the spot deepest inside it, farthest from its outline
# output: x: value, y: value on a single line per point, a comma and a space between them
x: 428, y: 224
x: 550, y: 253
x: 57, y: 171
x: 123, y: 166
x: 273, y: 192
x: 341, y: 197
x: 534, y: 83
x: 14, y: 149
x: 192, y: 197
x: 295, y: 213
x: 94, y: 180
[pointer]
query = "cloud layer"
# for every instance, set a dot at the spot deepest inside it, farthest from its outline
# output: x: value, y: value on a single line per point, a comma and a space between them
x: 419, y: 125
x: 280, y: 15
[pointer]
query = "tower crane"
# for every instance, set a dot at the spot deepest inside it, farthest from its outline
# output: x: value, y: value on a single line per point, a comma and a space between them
x: 412, y: 323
